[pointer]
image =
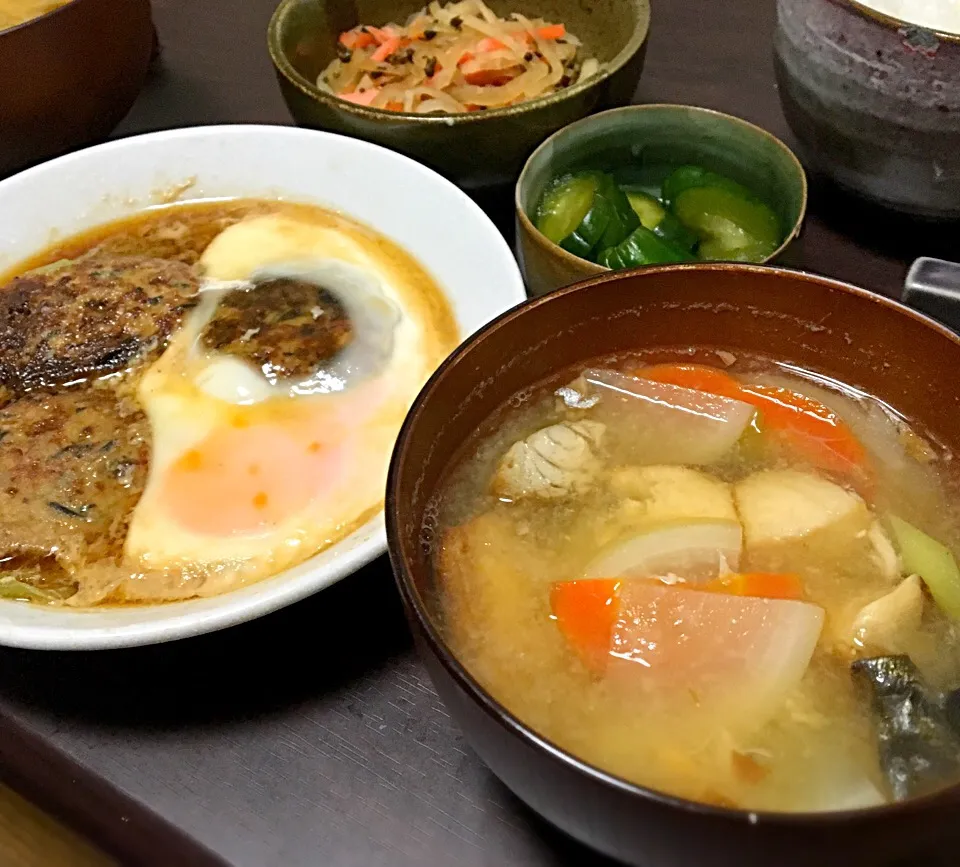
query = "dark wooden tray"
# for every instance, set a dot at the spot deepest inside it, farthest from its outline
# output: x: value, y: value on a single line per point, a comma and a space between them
x: 313, y: 736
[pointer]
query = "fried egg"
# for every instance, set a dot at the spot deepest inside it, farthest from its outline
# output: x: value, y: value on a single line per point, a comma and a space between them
x: 251, y: 474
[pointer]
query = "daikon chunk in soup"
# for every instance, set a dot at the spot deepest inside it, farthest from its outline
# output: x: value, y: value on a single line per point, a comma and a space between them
x: 714, y: 576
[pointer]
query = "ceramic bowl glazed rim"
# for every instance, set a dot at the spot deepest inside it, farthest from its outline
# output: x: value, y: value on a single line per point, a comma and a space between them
x: 891, y: 22
x: 288, y: 586
x: 583, y: 123
x: 285, y: 67
x: 50, y: 13
x: 477, y: 693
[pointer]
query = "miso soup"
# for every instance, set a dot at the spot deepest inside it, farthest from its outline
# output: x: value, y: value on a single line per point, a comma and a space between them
x: 715, y: 576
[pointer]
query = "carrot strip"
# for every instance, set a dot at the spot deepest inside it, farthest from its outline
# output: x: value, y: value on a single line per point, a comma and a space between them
x: 394, y: 106
x: 551, y: 31
x: 386, y: 49
x: 365, y: 97
x: 381, y: 36
x: 489, y: 77
x: 586, y: 612
x: 353, y: 39
x: 489, y: 44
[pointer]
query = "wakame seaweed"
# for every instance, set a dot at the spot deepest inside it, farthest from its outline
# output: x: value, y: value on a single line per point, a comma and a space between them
x: 919, y: 747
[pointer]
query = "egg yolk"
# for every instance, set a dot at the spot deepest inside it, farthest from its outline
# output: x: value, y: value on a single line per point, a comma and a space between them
x: 245, y: 479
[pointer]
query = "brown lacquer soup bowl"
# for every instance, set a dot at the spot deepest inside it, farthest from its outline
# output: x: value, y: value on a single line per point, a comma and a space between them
x: 69, y: 77
x: 858, y: 338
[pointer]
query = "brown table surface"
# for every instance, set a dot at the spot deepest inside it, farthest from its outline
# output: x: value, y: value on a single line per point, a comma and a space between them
x: 313, y: 737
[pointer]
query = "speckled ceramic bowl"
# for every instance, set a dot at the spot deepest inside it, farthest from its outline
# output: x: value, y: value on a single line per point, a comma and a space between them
x: 645, y: 137
x: 874, y: 102
x: 473, y: 150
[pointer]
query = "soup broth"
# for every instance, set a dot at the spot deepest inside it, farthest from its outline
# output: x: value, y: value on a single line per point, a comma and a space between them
x: 713, y: 575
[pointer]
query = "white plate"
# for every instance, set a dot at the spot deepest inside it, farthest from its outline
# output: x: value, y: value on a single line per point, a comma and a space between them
x: 425, y: 214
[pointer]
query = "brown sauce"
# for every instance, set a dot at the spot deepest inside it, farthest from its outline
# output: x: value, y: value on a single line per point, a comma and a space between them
x: 80, y: 324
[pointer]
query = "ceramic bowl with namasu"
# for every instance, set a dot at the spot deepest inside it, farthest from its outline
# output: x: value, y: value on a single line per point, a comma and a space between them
x: 476, y: 149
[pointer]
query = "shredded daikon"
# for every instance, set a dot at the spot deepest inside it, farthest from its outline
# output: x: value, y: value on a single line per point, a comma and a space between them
x: 455, y: 58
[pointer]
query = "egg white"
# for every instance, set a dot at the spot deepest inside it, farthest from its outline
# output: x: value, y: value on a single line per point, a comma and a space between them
x: 188, y: 395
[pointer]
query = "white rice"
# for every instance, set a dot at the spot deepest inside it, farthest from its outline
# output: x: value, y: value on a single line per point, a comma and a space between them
x: 943, y: 15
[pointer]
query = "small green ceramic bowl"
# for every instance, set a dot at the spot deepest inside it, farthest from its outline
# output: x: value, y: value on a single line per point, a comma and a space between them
x: 473, y: 150
x: 640, y: 143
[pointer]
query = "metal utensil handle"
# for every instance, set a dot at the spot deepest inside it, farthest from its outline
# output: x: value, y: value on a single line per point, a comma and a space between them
x: 933, y: 287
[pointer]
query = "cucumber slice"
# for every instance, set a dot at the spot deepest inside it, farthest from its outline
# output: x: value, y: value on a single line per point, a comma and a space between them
x: 574, y: 215
x: 655, y: 217
x: 587, y: 236
x: 609, y: 258
x: 688, y: 177
x: 647, y: 208
x: 643, y: 247
x: 731, y: 227
x: 564, y: 205
x: 642, y: 177
x: 623, y: 219
x: 673, y: 232
x: 932, y: 561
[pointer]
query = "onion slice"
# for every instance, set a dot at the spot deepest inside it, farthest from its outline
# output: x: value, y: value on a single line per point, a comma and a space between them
x: 698, y: 551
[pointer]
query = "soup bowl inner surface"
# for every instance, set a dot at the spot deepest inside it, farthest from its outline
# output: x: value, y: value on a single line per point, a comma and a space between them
x: 846, y: 333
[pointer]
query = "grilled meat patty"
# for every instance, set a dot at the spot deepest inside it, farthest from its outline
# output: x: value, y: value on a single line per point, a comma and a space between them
x: 286, y: 328
x: 72, y: 467
x: 96, y: 317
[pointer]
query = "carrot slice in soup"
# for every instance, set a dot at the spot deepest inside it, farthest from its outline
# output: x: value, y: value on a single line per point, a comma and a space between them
x: 699, y: 377
x: 806, y: 426
x: 810, y: 428
x: 586, y: 612
x: 768, y: 585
